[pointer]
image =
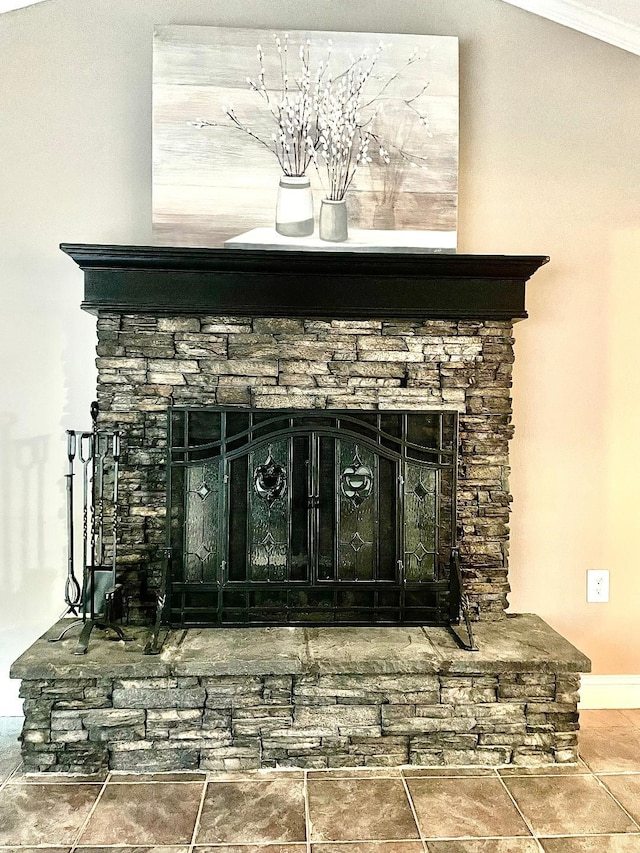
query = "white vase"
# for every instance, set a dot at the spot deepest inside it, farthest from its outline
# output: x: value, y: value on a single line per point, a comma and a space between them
x: 294, y: 208
x: 333, y: 220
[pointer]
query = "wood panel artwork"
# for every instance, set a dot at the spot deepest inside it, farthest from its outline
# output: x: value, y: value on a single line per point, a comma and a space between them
x: 212, y: 183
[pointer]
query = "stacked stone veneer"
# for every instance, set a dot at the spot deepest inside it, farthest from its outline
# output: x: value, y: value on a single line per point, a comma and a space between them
x: 313, y: 721
x: 145, y: 363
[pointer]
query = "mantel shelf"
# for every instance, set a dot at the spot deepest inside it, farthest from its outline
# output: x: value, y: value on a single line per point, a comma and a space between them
x: 147, y: 279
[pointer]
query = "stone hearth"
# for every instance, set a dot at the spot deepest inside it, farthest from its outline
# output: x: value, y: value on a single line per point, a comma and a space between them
x: 236, y: 699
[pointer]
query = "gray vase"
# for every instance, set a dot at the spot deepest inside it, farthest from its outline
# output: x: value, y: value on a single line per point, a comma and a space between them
x: 333, y: 220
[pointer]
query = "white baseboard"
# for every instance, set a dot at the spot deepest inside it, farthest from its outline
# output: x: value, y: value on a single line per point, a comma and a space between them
x: 609, y: 691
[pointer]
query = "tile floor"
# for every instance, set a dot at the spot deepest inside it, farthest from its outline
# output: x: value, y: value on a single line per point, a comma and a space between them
x: 591, y: 808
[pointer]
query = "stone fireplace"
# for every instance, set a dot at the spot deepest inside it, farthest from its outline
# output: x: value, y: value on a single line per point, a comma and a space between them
x: 348, y: 362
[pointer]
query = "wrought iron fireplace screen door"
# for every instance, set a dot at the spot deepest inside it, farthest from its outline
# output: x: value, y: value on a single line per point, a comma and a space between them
x: 297, y: 517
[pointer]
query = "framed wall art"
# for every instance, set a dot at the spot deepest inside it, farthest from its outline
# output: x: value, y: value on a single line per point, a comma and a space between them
x: 246, y: 122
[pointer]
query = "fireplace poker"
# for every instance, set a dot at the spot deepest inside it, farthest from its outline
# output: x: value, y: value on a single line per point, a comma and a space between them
x: 86, y: 457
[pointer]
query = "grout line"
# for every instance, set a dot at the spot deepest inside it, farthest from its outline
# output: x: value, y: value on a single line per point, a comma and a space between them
x: 78, y: 836
x: 307, y: 813
x: 10, y: 775
x: 196, y: 826
x: 616, y: 772
x: 413, y: 812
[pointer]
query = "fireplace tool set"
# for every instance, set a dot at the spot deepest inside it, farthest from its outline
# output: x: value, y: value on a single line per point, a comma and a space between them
x: 97, y: 600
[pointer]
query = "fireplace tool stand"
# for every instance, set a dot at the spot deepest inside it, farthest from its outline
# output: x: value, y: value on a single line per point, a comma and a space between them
x: 99, y: 601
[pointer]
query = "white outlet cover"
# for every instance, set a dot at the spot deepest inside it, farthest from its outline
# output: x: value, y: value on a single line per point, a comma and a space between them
x: 597, y: 586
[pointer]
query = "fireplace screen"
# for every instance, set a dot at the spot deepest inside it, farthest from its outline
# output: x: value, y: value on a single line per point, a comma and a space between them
x: 298, y: 517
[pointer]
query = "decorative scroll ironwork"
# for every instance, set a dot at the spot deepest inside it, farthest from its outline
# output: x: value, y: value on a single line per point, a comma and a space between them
x: 270, y: 479
x: 297, y: 517
x: 356, y: 480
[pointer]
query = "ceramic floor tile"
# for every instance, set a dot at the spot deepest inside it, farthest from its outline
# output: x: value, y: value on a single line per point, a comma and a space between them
x: 626, y: 790
x: 253, y: 812
x: 44, y: 814
x: 469, y: 807
x: 369, y: 847
x: 160, y: 813
x: 359, y: 810
x: 615, y: 749
x: 484, y: 845
x: 594, y: 844
x: 602, y: 719
x: 568, y: 805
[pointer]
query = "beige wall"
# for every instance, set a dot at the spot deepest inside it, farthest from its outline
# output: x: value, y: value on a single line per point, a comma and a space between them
x: 550, y: 163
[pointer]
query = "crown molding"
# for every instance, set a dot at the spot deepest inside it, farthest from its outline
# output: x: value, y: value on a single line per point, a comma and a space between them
x: 592, y: 22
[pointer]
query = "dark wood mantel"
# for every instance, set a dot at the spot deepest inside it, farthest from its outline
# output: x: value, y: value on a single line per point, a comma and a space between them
x: 146, y: 279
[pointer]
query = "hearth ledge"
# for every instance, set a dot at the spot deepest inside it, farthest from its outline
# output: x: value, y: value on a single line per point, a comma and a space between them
x: 239, y: 699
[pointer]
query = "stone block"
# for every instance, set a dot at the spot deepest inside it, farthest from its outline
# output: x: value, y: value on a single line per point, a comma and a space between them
x: 128, y: 733
x: 524, y: 756
x: 217, y: 719
x: 396, y: 721
x: 162, y: 683
x: 228, y: 395
x: 230, y: 692
x: 467, y: 695
x: 154, y: 760
x: 440, y: 712
x: 566, y: 755
x: 221, y: 327
x: 258, y: 721
x: 198, y: 346
x: 157, y: 698
x: 243, y: 756
x: 426, y: 758
x: 278, y: 326
x: 390, y: 355
x: 33, y: 736
x: 367, y: 689
x: 240, y: 366
x: 65, y: 720
x: 482, y: 756
x: 277, y: 689
x: 254, y: 346
x: 178, y: 324
x: 102, y: 718
x: 337, y: 720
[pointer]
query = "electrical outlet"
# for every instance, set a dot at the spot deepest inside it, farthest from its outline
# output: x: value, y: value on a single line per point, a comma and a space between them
x: 597, y: 585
